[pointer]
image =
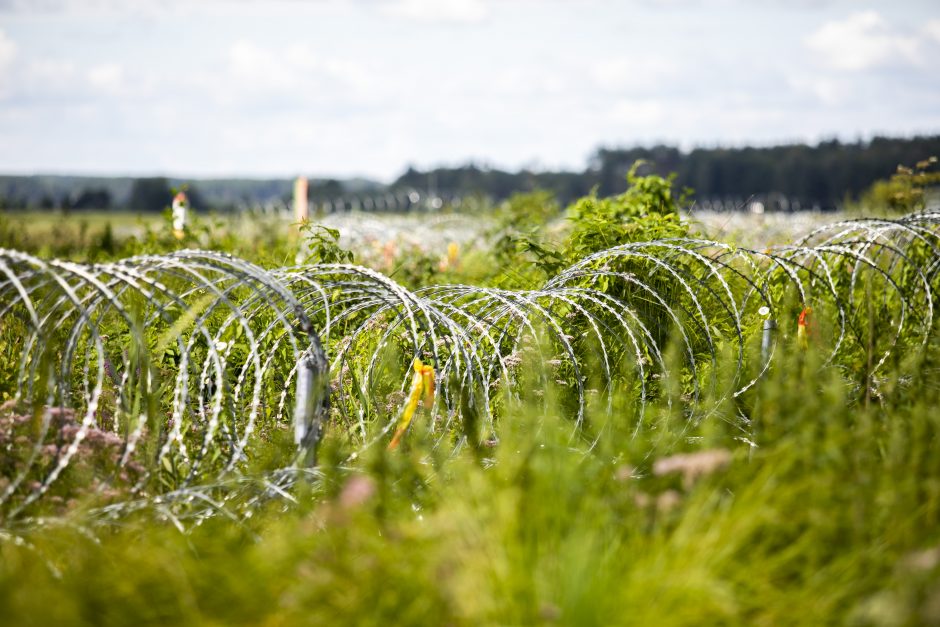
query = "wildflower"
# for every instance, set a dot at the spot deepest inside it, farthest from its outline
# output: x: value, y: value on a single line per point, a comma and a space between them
x: 452, y: 259
x: 389, y: 253
x: 668, y: 501
x: 692, y: 465
x: 624, y: 472
x: 922, y: 560
x: 422, y: 384
x: 393, y: 400
x: 357, y: 491
x: 549, y: 612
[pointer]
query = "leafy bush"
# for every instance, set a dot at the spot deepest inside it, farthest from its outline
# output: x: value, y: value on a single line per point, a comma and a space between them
x: 906, y: 191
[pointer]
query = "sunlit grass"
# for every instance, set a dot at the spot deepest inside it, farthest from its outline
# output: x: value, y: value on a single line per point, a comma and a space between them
x: 691, y: 476
x: 831, y: 515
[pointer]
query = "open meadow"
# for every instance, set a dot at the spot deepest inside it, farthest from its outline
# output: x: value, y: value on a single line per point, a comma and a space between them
x: 610, y: 413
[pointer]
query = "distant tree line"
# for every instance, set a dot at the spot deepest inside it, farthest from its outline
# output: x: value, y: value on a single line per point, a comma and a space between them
x: 822, y: 175
x: 67, y: 194
x: 155, y: 194
x: 825, y: 174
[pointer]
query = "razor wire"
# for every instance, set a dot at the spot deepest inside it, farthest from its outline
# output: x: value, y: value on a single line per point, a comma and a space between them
x: 151, y: 382
x: 149, y: 376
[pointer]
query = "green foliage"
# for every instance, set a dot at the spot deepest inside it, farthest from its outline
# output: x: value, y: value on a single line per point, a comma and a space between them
x: 322, y: 245
x: 519, y: 224
x: 906, y: 191
x: 527, y: 211
x: 814, y: 497
x: 829, y: 517
x: 822, y: 174
x: 647, y: 210
x: 416, y: 268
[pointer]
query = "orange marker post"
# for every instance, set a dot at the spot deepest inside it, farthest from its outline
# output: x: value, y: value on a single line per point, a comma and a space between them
x: 802, y: 328
x: 179, y: 210
x: 301, y: 207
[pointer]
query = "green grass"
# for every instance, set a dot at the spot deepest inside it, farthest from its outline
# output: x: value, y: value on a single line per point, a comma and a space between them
x: 53, y: 222
x: 833, y: 517
x: 822, y: 508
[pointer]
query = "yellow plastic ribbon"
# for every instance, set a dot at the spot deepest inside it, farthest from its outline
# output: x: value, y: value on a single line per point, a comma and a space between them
x: 422, y: 384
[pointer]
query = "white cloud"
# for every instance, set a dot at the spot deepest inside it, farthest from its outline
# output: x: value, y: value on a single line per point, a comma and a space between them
x: 932, y: 30
x: 637, y: 113
x: 863, y: 41
x: 515, y: 81
x: 108, y: 77
x: 827, y: 90
x: 297, y: 69
x: 139, y: 8
x: 7, y: 54
x: 7, y: 49
x: 44, y: 77
x: 365, y: 86
x: 642, y: 73
x: 449, y: 11
x: 54, y: 80
x: 257, y: 66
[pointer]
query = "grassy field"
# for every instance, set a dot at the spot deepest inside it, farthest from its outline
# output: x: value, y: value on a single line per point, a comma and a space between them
x: 609, y: 436
x: 54, y: 223
x: 365, y: 232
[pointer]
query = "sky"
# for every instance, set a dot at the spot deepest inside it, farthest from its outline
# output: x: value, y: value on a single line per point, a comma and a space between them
x: 347, y: 88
